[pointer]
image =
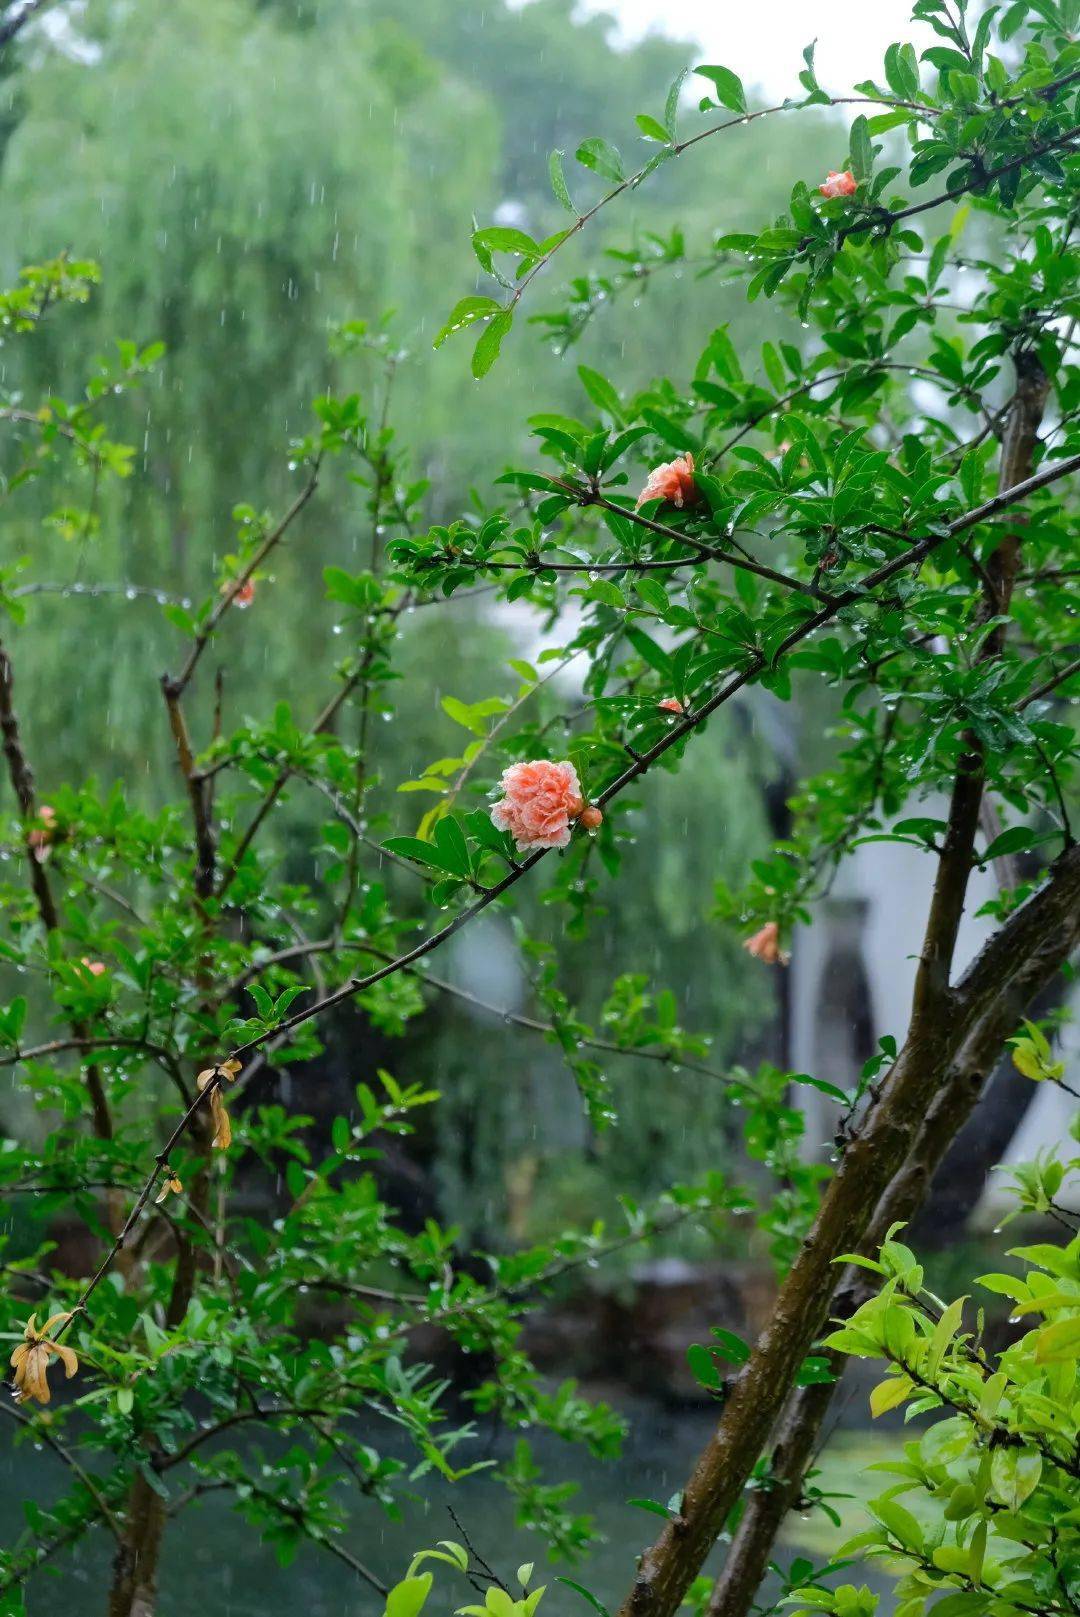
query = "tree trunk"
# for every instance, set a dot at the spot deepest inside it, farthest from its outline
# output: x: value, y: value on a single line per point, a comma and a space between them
x: 796, y: 1438
x: 135, y: 1565
x: 943, y: 1018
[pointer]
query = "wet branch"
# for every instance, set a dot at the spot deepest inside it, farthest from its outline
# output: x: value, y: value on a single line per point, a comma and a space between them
x: 356, y: 985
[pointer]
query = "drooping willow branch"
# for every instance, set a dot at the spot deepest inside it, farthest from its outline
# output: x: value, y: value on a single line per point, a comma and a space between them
x: 640, y: 764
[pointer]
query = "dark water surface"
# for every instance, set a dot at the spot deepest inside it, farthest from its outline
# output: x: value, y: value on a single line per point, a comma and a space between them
x: 215, y: 1565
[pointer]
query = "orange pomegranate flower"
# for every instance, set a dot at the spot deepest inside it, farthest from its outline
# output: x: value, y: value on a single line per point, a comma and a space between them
x: 838, y: 184
x: 673, y: 481
x: 539, y: 801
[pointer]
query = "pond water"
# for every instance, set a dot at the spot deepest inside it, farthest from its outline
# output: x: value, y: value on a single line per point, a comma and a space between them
x: 216, y: 1566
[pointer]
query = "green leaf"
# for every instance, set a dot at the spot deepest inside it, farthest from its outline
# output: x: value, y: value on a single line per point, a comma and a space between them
x: 406, y: 1599
x: 1014, y: 1475
x: 862, y: 151
x: 414, y: 848
x: 465, y: 313
x: 558, y: 181
x: 944, y: 1331
x: 586, y: 1594
x: 774, y: 366
x: 180, y: 618
x: 671, y: 105
x: 1014, y: 840
x: 601, y: 156
x: 889, y: 1394
x: 503, y: 239
x: 823, y: 1085
x: 900, y: 1522
x: 703, y: 1366
x: 450, y: 842
x: 1059, y: 1341
x: 971, y: 474
x: 647, y: 648
x: 601, y: 392
x: 653, y: 593
x: 486, y: 351
x: 730, y: 1346
x: 780, y: 239
x: 651, y: 1505
x: 727, y: 85
x: 815, y: 1371
x: 651, y: 128
x: 606, y: 591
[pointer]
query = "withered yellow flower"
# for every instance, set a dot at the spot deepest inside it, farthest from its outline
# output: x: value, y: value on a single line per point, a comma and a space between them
x: 170, y: 1185
x: 222, y: 1127
x: 30, y: 1359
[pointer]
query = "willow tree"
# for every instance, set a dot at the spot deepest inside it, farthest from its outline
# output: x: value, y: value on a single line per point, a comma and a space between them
x: 820, y: 517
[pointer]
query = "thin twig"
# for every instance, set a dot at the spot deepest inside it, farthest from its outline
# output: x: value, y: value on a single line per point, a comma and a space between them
x: 42, y: 1434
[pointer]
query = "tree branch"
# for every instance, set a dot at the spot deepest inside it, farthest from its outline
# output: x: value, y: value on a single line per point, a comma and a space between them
x: 941, y: 1019
x: 17, y: 19
x: 689, y: 723
x: 795, y: 1440
x: 276, y: 534
x: 43, y: 1435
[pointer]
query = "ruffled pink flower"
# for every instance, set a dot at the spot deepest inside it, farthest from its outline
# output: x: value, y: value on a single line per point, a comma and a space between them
x: 671, y: 704
x: 765, y: 945
x: 541, y: 799
x: 673, y: 481
x: 840, y: 184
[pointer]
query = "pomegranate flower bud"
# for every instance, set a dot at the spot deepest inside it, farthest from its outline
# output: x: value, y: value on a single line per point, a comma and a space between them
x: 671, y: 704
x: 840, y: 184
x: 591, y: 817
x: 41, y: 837
x: 765, y: 945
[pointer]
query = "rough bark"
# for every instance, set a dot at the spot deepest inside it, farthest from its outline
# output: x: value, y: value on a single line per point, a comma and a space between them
x: 864, y: 1175
x: 796, y: 1438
